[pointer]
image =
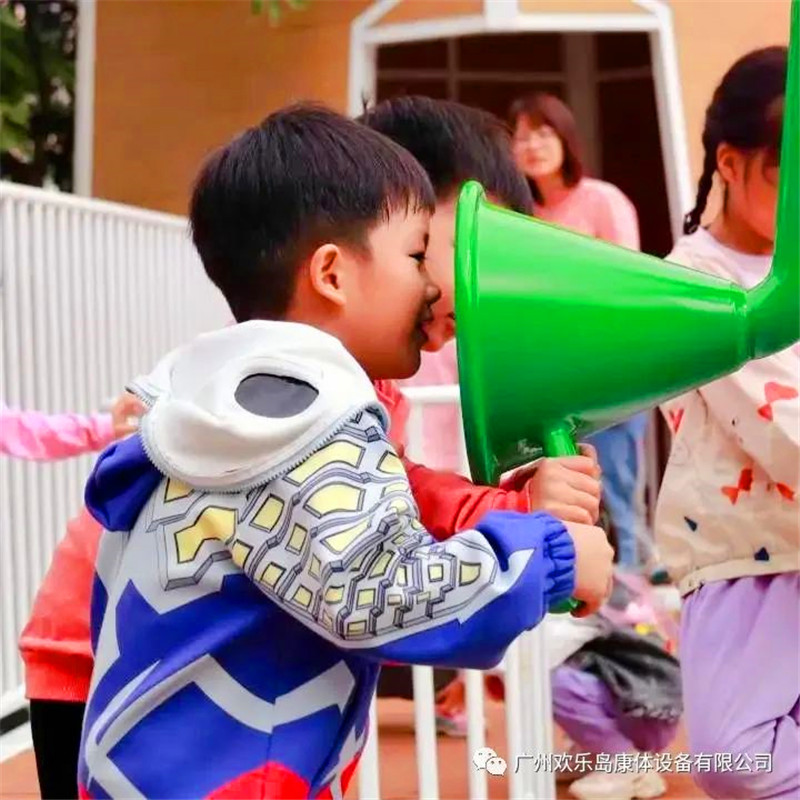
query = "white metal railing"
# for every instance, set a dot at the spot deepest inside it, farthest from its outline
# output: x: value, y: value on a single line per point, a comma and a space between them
x: 91, y: 294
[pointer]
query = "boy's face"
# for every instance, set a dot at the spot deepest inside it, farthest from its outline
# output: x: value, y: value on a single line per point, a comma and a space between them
x: 389, y: 298
x: 440, y: 263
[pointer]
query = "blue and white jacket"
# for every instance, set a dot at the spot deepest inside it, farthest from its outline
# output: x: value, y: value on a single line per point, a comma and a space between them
x: 262, y: 556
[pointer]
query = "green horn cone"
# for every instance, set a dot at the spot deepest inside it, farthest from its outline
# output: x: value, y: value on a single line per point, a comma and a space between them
x: 560, y: 335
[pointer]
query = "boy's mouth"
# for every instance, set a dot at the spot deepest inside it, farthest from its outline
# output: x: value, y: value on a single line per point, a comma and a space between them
x: 425, y: 318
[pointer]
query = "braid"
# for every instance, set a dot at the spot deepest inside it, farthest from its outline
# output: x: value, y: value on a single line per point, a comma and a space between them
x: 741, y: 114
x: 691, y: 222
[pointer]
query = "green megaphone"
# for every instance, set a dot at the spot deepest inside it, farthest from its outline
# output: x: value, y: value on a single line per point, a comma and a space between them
x: 561, y: 335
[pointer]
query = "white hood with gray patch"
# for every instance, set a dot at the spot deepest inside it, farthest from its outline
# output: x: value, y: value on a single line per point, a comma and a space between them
x: 238, y: 407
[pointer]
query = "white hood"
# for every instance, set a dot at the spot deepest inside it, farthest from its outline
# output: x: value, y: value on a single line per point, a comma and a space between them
x: 204, y: 430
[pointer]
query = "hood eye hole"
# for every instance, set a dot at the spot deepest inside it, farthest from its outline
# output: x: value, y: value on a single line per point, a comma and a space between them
x: 275, y: 396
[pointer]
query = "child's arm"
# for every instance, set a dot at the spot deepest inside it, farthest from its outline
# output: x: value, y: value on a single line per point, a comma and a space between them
x: 568, y: 488
x: 337, y: 543
x: 758, y: 406
x: 449, y: 503
x: 44, y: 437
x: 36, y: 436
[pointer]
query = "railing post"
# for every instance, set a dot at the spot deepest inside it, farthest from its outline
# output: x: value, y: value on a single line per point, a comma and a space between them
x: 369, y: 781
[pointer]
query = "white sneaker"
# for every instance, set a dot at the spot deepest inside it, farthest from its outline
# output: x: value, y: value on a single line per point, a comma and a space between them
x: 619, y: 786
x: 604, y: 786
x: 649, y: 784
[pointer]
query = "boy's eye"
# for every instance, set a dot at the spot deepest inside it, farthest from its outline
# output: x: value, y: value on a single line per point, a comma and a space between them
x: 419, y: 257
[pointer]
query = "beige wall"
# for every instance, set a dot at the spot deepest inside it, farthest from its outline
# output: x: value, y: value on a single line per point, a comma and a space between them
x: 711, y: 35
x: 411, y: 10
x: 175, y: 78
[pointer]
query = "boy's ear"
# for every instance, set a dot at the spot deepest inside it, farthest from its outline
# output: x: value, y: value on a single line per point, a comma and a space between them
x: 326, y: 273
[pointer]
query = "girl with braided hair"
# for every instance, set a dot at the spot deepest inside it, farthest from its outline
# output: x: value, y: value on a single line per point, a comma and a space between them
x: 727, y: 518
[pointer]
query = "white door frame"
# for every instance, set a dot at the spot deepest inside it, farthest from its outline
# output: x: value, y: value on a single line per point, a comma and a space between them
x: 86, y: 55
x: 505, y: 16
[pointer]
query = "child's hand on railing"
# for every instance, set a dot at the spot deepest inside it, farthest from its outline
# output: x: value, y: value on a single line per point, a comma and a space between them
x: 567, y: 487
x: 594, y: 567
x: 125, y: 414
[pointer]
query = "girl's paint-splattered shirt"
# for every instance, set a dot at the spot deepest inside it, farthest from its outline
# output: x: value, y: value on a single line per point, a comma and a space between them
x: 728, y: 505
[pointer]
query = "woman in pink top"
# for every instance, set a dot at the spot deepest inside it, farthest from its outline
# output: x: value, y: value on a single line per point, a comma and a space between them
x: 547, y: 150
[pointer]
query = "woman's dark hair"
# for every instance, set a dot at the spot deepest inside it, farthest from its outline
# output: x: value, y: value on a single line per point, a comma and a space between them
x: 746, y: 112
x: 541, y: 108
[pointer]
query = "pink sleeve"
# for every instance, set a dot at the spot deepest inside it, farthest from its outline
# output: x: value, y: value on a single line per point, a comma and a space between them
x: 616, y: 220
x: 46, y: 437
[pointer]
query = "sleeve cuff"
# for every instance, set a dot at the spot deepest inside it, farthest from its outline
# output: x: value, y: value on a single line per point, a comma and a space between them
x: 560, y: 553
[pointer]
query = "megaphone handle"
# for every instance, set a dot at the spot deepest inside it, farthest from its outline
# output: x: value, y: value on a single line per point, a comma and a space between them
x: 560, y: 442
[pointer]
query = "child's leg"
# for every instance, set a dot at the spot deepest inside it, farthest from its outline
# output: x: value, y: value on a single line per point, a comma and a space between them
x: 740, y: 659
x: 585, y: 709
x: 56, y: 731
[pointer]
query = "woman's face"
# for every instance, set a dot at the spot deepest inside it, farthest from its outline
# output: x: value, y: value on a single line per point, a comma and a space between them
x: 538, y: 150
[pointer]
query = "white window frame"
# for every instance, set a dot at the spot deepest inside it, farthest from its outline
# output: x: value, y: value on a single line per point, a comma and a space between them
x: 578, y: 77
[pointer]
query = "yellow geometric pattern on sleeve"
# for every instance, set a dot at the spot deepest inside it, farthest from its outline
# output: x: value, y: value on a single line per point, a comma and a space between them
x: 336, y: 541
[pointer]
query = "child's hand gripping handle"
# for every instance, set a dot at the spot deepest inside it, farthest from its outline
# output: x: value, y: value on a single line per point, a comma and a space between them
x: 559, y: 442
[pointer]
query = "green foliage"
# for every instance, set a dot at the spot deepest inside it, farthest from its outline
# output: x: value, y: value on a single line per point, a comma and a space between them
x: 38, y: 39
x: 37, y: 90
x: 276, y: 8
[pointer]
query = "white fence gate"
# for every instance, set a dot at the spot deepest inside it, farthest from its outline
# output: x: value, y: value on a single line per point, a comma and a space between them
x: 92, y: 293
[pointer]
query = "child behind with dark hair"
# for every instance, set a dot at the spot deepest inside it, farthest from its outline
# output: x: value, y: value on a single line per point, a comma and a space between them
x: 456, y: 143
x: 263, y: 552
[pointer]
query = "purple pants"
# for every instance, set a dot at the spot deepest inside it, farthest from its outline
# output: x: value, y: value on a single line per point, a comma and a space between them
x: 585, y: 709
x: 740, y: 662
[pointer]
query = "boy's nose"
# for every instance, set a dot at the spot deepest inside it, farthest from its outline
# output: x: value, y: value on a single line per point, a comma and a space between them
x: 432, y: 293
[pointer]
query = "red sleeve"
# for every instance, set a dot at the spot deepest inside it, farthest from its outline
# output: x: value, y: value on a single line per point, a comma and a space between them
x: 449, y: 503
x: 398, y: 407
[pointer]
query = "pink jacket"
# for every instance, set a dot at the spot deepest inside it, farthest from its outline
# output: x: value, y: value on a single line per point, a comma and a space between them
x: 47, y: 437
x: 441, y: 425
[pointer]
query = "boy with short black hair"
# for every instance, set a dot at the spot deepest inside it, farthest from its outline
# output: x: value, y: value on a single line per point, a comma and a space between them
x: 264, y: 552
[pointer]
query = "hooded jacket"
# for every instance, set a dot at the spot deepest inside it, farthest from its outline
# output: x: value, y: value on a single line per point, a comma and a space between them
x: 262, y: 556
